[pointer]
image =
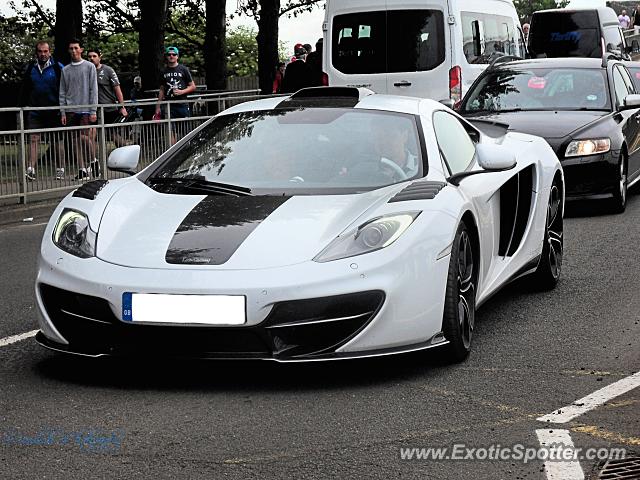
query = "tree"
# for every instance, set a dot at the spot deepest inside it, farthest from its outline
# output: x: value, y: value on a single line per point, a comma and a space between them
x: 153, y: 17
x: 526, y: 8
x: 267, y: 13
x: 215, y: 52
x: 68, y: 26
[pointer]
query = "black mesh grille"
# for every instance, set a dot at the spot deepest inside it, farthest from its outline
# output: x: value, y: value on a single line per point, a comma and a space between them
x: 295, y: 329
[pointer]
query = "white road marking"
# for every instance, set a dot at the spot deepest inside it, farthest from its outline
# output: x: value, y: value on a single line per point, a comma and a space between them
x: 17, y: 338
x: 560, y: 470
x: 597, y: 398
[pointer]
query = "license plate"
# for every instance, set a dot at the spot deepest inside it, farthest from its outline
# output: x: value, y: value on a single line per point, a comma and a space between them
x: 183, y: 309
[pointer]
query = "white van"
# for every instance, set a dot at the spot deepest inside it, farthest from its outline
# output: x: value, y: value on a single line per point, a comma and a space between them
x: 421, y: 48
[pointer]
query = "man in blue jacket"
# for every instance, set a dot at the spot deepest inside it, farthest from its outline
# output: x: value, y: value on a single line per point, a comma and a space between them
x: 40, y: 87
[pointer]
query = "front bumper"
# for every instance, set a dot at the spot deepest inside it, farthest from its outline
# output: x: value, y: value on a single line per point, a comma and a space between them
x: 365, y: 306
x: 591, y: 177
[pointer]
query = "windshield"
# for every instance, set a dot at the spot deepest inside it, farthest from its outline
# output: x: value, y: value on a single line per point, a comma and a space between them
x: 300, y: 151
x: 539, y: 89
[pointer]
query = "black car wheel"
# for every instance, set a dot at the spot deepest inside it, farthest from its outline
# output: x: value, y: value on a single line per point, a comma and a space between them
x: 460, y: 301
x: 620, y: 188
x: 547, y: 274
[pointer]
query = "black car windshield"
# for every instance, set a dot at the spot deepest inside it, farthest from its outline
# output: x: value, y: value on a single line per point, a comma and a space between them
x: 306, y: 150
x: 539, y: 89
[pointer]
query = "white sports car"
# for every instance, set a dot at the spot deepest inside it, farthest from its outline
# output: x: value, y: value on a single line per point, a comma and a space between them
x: 331, y: 224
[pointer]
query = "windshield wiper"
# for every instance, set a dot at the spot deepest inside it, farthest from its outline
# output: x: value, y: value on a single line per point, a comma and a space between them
x: 200, y: 184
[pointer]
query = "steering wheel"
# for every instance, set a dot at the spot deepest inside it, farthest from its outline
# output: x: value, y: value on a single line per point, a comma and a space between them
x: 395, y: 167
x: 296, y: 179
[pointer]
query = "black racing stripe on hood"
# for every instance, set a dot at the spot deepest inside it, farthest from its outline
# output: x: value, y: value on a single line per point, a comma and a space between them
x: 215, y: 228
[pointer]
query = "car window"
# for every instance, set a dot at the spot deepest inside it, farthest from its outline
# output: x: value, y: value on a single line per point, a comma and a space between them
x: 303, y: 150
x: 539, y: 89
x: 631, y: 88
x: 621, y: 87
x: 388, y: 41
x: 635, y: 76
x: 454, y: 142
x: 613, y: 36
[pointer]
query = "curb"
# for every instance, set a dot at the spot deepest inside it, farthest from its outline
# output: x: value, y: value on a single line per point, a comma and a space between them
x: 31, y: 213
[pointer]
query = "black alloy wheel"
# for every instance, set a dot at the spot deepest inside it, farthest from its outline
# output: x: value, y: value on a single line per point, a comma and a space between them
x: 458, y: 320
x: 619, y: 203
x: 547, y: 274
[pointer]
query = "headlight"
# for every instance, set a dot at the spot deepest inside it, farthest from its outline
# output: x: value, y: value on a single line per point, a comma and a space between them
x: 369, y: 237
x: 579, y: 148
x: 73, y: 235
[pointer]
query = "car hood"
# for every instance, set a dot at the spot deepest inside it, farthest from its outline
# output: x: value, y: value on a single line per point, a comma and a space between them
x: 549, y: 124
x: 146, y: 229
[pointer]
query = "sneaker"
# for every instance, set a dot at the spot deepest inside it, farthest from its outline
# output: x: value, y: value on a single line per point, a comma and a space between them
x: 31, y: 174
x: 95, y: 168
x: 59, y: 173
x: 82, y: 174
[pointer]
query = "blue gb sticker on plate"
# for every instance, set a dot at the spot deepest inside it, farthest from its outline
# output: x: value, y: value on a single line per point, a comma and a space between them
x: 127, y: 313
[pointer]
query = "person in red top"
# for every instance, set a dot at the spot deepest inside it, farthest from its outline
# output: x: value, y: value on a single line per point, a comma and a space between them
x: 277, y: 81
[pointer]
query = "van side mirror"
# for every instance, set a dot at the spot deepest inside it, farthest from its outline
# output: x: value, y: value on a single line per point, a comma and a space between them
x: 124, y: 159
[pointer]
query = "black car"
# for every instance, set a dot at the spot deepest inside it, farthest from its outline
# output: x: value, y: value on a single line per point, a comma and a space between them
x: 586, y: 109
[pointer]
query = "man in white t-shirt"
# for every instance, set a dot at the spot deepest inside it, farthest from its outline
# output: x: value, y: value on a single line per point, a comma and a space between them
x: 624, y: 20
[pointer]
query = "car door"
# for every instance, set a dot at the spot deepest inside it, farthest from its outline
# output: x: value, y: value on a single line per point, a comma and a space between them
x: 416, y: 53
x: 624, y: 86
x: 495, y: 212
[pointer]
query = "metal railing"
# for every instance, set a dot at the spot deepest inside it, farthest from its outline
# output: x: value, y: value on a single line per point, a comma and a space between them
x: 57, y: 154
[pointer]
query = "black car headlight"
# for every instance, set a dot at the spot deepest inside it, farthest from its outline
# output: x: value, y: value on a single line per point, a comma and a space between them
x: 369, y: 237
x: 73, y: 234
x: 582, y: 148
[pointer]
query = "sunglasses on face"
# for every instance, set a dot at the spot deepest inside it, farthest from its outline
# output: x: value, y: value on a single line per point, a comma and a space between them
x: 172, y: 54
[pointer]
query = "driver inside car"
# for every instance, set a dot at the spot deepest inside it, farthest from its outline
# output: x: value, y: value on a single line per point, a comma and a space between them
x: 391, y: 144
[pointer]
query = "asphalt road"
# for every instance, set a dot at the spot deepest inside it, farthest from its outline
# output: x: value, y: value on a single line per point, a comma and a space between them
x: 533, y: 353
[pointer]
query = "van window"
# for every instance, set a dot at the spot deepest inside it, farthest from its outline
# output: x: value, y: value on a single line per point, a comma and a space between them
x: 388, y: 41
x: 484, y: 36
x: 612, y: 35
x: 570, y: 34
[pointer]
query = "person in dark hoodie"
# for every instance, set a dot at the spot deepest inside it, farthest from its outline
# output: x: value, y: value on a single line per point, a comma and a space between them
x: 40, y: 88
x: 297, y: 74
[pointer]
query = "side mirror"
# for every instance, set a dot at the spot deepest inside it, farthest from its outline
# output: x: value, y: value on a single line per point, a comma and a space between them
x: 124, y: 159
x: 495, y: 157
x: 630, y: 102
x: 492, y: 158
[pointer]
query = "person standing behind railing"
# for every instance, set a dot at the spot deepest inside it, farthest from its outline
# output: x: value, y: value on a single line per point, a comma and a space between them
x: 624, y: 20
x: 109, y: 92
x: 40, y: 86
x: 177, y: 84
x: 79, y: 86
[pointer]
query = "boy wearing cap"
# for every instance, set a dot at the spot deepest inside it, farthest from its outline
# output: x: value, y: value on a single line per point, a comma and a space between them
x: 177, y: 84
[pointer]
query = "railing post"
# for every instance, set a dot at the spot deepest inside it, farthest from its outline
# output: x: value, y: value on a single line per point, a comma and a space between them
x: 168, y: 107
x: 103, y: 145
x: 22, y: 169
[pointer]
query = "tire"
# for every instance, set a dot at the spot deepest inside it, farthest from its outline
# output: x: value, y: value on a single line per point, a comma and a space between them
x: 619, y: 202
x: 547, y: 274
x: 458, y: 318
